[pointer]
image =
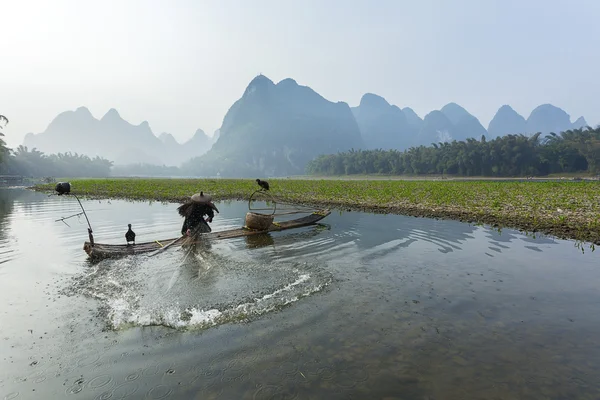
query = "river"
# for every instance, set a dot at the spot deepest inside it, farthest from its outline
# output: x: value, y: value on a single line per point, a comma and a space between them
x: 363, y: 306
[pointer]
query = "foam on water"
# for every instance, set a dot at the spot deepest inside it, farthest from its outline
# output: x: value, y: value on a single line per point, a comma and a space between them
x: 212, y: 291
x: 123, y: 313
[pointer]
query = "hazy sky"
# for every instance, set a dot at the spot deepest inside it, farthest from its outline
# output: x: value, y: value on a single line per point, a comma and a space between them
x: 181, y: 64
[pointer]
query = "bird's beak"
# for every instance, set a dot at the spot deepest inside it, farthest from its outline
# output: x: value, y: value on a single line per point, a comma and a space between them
x: 213, y: 207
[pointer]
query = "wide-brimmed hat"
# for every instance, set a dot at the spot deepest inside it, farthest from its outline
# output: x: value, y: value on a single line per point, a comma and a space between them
x: 201, y: 198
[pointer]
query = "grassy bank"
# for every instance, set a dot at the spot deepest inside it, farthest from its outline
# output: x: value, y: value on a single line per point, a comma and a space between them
x: 563, y: 209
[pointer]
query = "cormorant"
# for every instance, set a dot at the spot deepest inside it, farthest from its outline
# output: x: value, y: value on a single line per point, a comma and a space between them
x: 130, y: 235
x: 63, y: 188
x: 263, y: 184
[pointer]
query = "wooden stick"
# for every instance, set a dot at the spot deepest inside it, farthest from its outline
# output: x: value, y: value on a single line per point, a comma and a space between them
x: 70, y: 216
x: 167, y: 246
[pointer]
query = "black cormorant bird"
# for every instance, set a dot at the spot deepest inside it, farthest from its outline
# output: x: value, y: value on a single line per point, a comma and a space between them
x: 63, y: 188
x: 130, y: 235
x: 263, y: 184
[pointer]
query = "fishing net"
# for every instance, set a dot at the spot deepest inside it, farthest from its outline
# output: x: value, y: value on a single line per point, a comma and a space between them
x: 274, y: 206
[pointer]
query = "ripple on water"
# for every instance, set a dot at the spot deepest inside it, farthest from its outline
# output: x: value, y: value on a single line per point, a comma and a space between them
x: 104, y: 396
x: 76, y: 388
x: 100, y: 381
x: 160, y: 392
x: 124, y: 390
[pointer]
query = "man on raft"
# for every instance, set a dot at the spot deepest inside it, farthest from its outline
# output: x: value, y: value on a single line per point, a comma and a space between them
x: 194, y: 211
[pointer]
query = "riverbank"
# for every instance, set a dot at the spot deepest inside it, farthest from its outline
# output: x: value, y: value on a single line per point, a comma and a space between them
x: 439, y: 177
x: 566, y: 210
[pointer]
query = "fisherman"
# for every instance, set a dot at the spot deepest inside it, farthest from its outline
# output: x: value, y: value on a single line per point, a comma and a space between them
x: 194, y: 210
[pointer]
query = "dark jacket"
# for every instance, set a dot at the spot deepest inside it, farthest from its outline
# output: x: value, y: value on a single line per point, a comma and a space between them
x: 195, y: 216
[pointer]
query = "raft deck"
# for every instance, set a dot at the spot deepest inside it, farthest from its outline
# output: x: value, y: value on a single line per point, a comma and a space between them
x: 105, y: 250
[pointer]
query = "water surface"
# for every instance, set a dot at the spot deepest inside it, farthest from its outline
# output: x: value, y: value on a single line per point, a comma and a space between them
x: 368, y: 306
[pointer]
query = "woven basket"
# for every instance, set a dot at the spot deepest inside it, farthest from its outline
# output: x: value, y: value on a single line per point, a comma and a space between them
x: 258, y: 221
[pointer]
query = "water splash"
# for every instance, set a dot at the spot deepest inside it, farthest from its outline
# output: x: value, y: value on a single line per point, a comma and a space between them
x: 124, y: 314
x: 205, y: 292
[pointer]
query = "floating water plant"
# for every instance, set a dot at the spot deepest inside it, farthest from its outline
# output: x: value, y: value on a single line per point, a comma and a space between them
x: 562, y: 209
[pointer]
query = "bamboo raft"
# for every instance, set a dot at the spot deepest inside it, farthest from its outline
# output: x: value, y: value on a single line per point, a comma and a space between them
x: 98, y: 251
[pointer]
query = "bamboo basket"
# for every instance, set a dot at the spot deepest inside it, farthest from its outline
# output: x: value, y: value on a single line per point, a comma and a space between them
x: 258, y: 221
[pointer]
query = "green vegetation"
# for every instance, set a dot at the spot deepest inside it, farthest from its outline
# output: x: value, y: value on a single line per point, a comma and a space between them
x: 3, y: 149
x: 25, y: 162
x: 563, y: 209
x: 511, y: 155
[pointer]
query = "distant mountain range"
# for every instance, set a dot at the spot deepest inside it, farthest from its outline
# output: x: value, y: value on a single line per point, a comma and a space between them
x: 114, y: 138
x: 275, y: 129
x: 388, y: 127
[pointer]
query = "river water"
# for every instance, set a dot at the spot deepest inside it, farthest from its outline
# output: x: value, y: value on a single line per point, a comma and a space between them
x: 365, y: 306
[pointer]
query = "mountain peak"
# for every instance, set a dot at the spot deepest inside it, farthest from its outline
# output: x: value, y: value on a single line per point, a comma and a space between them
x: 261, y: 78
x: 260, y: 83
x: 84, y: 111
x: 412, y: 118
x: 287, y: 82
x: 454, y: 112
x: 506, y: 121
x: 436, y: 115
x: 548, y: 110
x: 199, y: 140
x: 548, y: 118
x: 111, y: 114
x: 200, y: 132
x: 167, y: 138
x: 580, y: 123
x: 506, y: 108
x: 436, y: 127
x: 452, y: 106
x: 373, y: 100
x: 410, y: 112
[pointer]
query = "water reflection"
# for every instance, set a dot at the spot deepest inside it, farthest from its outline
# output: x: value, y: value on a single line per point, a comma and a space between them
x: 7, y: 199
x: 363, y: 306
x: 258, y: 241
x: 445, y: 235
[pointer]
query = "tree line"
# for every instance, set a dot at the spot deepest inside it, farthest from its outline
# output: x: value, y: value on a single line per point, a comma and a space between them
x: 34, y: 163
x: 570, y: 151
x: 3, y: 150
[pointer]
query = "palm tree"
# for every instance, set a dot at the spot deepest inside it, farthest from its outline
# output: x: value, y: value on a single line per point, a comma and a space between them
x: 3, y: 149
x: 21, y: 150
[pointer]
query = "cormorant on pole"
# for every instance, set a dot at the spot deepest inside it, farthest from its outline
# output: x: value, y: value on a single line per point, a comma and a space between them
x: 263, y: 184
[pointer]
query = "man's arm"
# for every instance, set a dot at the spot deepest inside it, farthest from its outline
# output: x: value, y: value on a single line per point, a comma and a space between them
x: 210, y: 213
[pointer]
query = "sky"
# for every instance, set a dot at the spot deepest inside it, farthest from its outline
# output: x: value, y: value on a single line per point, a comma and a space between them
x: 181, y: 64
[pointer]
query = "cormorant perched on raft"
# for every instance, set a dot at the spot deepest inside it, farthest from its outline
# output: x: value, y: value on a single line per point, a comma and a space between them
x: 263, y: 184
x: 194, y: 210
x: 130, y: 235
